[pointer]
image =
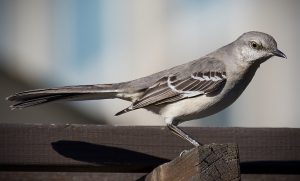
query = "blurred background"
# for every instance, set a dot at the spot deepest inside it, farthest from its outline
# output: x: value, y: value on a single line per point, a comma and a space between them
x: 50, y: 43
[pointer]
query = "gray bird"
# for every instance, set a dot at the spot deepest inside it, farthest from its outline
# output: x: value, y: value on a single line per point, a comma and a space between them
x: 192, y: 90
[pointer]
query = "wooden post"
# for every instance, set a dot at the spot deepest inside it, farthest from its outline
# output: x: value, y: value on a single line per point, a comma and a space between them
x: 208, y: 162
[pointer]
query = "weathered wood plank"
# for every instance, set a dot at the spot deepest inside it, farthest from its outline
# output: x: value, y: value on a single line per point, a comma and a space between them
x: 268, y: 177
x: 207, y: 162
x: 138, y: 149
x: 70, y: 176
x: 93, y: 176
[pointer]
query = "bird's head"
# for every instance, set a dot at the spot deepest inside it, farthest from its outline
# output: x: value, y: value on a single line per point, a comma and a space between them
x: 256, y: 46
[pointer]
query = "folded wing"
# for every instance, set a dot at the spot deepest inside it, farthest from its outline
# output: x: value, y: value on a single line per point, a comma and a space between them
x: 170, y: 89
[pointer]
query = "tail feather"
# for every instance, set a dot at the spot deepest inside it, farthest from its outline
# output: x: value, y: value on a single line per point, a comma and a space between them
x: 41, y: 100
x: 73, y: 93
x: 124, y: 111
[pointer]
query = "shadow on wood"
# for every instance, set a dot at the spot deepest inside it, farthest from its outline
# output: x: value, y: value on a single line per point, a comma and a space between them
x: 107, y: 158
x: 208, y: 162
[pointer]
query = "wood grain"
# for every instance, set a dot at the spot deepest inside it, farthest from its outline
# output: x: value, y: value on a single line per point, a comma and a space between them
x: 208, y: 162
x: 74, y: 148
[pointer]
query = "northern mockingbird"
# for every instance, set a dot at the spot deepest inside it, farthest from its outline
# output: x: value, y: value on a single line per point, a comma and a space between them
x: 192, y: 90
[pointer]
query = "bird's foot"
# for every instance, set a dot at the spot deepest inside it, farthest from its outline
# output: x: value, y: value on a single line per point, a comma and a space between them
x: 184, y: 152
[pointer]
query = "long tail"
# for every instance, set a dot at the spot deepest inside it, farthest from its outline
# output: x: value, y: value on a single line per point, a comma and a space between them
x: 73, y: 93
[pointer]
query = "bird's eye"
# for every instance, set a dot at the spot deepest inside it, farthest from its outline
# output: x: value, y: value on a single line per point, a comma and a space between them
x: 255, y: 45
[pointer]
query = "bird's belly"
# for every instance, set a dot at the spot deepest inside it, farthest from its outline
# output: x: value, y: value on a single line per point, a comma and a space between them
x: 202, y: 106
x: 206, y: 105
x: 193, y: 108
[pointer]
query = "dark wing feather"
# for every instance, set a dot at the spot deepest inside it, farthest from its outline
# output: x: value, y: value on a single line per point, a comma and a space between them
x: 170, y: 89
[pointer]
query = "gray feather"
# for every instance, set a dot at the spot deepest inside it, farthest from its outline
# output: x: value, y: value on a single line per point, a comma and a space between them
x: 73, y: 93
x: 184, y: 85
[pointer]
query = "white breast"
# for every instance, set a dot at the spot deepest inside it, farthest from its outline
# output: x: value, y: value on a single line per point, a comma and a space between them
x: 191, y: 108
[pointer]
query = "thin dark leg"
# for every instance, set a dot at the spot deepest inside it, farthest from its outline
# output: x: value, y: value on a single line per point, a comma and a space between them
x: 182, y: 134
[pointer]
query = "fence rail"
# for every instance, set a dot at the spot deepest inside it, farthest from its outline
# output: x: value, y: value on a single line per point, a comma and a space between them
x: 130, y: 152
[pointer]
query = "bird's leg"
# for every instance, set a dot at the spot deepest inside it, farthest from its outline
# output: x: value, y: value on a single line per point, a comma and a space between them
x: 182, y: 134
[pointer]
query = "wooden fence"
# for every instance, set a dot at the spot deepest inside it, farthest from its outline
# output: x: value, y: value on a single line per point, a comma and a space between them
x: 97, y: 152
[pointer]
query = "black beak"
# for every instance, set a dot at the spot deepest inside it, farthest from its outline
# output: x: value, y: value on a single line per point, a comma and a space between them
x: 279, y: 53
